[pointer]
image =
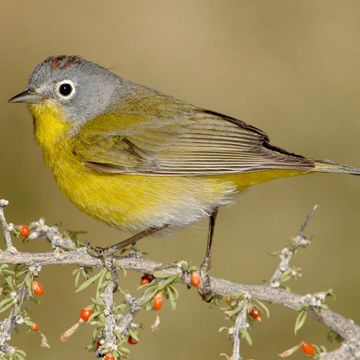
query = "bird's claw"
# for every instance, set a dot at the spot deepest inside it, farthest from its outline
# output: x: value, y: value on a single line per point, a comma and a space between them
x: 97, y: 251
x: 205, y: 291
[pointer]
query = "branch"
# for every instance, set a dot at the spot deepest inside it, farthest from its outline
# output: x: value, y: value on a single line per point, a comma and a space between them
x: 8, y: 325
x: 287, y: 253
x: 241, y: 323
x: 346, y: 328
x: 7, y: 228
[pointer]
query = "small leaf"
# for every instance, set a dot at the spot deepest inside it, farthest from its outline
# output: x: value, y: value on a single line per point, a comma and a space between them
x: 134, y: 335
x: 89, y: 281
x: 300, y: 320
x: 171, y: 298
x: 160, y: 275
x: 264, y: 308
x: 100, y: 283
x: 223, y: 328
x: 93, y: 316
x: 245, y: 334
x: 125, y: 350
x: 5, y: 304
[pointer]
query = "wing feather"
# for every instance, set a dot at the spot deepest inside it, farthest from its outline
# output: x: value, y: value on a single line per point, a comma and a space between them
x: 200, y: 142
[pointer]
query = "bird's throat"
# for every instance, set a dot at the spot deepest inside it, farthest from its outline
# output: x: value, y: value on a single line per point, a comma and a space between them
x: 50, y: 125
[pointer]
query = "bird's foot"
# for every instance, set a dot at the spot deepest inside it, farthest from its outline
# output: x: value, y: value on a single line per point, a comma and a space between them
x: 96, y: 252
x: 101, y: 253
x: 205, y: 291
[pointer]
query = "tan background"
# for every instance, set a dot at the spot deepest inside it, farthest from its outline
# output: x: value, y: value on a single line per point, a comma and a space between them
x: 291, y: 68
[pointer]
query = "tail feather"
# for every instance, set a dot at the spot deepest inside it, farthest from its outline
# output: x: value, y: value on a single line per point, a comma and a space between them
x: 331, y: 167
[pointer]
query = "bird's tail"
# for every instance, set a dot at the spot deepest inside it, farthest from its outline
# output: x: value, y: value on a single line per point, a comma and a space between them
x: 331, y: 167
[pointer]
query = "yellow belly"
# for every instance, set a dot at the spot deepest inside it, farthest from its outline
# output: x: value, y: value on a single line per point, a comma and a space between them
x: 134, y: 202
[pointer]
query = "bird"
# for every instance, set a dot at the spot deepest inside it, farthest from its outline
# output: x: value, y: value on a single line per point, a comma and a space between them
x: 140, y: 160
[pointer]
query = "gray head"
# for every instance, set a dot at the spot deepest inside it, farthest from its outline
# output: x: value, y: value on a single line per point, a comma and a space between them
x: 82, y: 88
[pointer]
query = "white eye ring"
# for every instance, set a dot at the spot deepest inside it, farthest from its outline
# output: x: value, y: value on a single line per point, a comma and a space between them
x: 65, y: 89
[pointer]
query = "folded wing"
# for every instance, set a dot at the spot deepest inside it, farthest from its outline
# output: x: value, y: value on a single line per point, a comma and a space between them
x: 196, y: 142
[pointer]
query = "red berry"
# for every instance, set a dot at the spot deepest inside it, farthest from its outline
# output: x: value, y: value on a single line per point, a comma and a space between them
x: 146, y: 279
x: 195, y: 279
x: 35, y: 327
x: 308, y: 349
x: 24, y: 231
x: 109, y: 356
x: 132, y: 341
x: 86, y: 313
x: 37, y: 287
x: 255, y: 313
x: 157, y: 301
x: 98, y: 343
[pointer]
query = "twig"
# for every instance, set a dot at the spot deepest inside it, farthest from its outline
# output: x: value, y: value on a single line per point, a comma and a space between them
x: 9, y: 324
x: 5, y: 226
x: 287, y: 253
x: 40, y: 230
x: 108, y: 298
x: 235, y: 331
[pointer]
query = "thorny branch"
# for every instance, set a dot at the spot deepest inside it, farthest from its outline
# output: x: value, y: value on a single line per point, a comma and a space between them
x: 287, y: 253
x: 8, y: 325
x: 272, y: 293
x: 235, y: 331
x: 6, y: 227
x: 108, y: 298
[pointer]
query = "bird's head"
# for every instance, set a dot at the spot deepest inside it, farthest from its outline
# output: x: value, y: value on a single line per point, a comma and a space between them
x: 80, y: 88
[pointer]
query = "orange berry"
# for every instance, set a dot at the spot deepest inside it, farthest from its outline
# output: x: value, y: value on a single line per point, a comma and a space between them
x: 195, y: 279
x: 308, y: 349
x: 146, y: 279
x: 157, y: 301
x: 132, y: 341
x: 255, y: 313
x: 228, y: 300
x: 37, y: 287
x: 86, y: 313
x: 109, y: 356
x: 24, y: 231
x: 35, y: 327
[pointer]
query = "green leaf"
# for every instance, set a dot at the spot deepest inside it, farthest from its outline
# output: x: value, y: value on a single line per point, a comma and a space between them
x: 101, y: 282
x: 134, y: 335
x: 300, y: 320
x: 236, y: 310
x: 5, y: 304
x: 264, y: 308
x: 90, y: 281
x: 9, y: 280
x: 161, y: 275
x: 94, y: 315
x: 223, y: 328
x: 245, y: 334
x: 171, y: 298
x: 125, y: 350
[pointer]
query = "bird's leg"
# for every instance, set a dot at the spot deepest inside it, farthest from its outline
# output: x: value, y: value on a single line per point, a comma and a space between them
x: 100, y: 252
x: 206, y: 264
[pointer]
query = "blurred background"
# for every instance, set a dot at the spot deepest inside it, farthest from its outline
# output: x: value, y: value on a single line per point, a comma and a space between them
x: 291, y: 68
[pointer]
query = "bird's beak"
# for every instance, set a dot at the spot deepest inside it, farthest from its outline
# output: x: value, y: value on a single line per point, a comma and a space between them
x: 28, y: 96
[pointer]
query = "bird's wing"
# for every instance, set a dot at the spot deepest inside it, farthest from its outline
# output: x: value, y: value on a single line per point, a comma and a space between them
x: 195, y: 142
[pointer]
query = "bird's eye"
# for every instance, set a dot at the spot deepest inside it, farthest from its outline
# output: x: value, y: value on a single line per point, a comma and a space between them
x: 66, y: 89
